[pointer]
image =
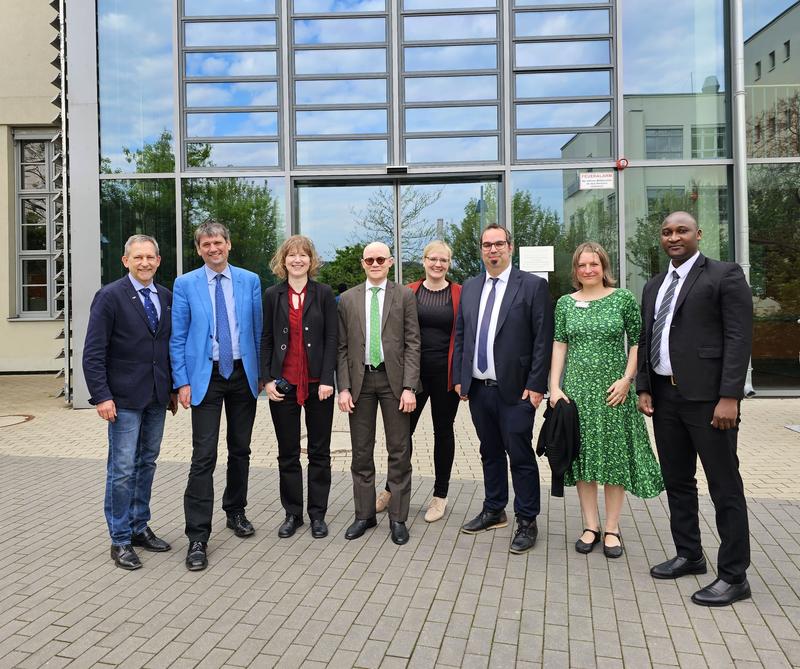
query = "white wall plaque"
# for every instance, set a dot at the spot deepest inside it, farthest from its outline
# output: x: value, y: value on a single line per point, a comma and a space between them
x: 536, y: 259
x: 596, y: 181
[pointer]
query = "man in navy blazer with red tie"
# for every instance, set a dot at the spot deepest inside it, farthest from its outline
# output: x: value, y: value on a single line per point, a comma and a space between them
x: 127, y: 370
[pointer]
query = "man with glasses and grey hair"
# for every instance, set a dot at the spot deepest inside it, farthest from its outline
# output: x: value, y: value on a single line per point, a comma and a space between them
x: 379, y: 353
x: 127, y: 371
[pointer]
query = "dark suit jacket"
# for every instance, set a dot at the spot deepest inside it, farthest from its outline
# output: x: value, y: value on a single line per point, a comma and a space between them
x: 320, y: 330
x: 711, y: 334
x: 122, y: 360
x: 523, y: 340
x: 399, y: 335
x: 559, y: 441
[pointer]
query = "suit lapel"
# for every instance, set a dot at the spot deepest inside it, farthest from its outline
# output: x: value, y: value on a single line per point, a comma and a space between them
x: 238, y: 294
x: 131, y: 292
x: 311, y: 291
x: 360, y: 297
x: 514, y: 282
x: 691, y: 277
x: 166, y: 309
x: 201, y: 286
x: 388, y: 299
x: 283, y: 300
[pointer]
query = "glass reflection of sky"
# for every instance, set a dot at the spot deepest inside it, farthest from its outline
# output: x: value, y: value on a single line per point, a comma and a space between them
x: 135, y: 76
x: 228, y: 7
x: 230, y: 33
x: 576, y: 22
x: 244, y: 154
x: 344, y: 152
x: 537, y: 3
x: 320, y: 6
x: 561, y: 84
x: 451, y: 26
x: 343, y: 91
x: 447, y: 4
x: 530, y: 147
x: 341, y: 122
x: 339, y: 31
x: 339, y: 61
x: 461, y: 57
x: 572, y: 114
x: 232, y: 124
x: 435, y: 89
x: 242, y: 94
x: 541, y: 54
x: 758, y: 13
x: 451, y: 149
x: 232, y: 64
x: 451, y: 118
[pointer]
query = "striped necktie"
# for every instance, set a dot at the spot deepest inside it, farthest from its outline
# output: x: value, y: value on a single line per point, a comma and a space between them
x: 661, y: 318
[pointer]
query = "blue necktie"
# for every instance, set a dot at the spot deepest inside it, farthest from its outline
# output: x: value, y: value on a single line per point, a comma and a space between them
x: 483, y: 335
x: 149, y: 310
x: 223, y: 332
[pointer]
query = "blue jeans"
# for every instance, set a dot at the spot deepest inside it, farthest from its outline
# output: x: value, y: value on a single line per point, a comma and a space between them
x: 134, y: 441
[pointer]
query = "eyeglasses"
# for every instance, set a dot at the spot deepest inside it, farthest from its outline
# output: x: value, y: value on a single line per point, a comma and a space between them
x: 380, y: 260
x: 437, y: 261
x: 486, y: 246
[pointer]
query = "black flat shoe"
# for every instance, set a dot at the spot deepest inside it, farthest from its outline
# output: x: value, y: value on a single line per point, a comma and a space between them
x: 289, y: 526
x: 582, y: 547
x: 319, y: 529
x: 613, y: 551
x: 240, y: 525
x: 399, y: 532
x: 679, y: 566
x: 149, y: 541
x: 485, y: 520
x: 358, y: 528
x: 196, y: 558
x: 721, y: 593
x: 525, y: 536
x: 125, y: 557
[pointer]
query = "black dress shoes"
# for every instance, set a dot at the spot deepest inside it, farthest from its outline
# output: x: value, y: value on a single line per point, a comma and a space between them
x: 485, y: 520
x: 679, y: 566
x: 358, y: 528
x: 149, y: 541
x: 289, y: 526
x: 319, y: 529
x: 612, y: 551
x: 720, y: 593
x: 524, y: 536
x: 196, y: 559
x: 125, y: 557
x: 399, y: 532
x: 582, y: 547
x: 240, y: 525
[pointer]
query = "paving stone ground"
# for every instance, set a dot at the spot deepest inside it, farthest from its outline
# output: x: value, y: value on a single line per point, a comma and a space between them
x: 444, y: 599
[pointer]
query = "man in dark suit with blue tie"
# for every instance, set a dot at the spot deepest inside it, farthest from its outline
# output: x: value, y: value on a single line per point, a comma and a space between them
x: 501, y: 358
x: 214, y: 350
x: 126, y: 365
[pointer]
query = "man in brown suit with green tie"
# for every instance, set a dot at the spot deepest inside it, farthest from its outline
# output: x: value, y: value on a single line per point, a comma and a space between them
x: 379, y: 350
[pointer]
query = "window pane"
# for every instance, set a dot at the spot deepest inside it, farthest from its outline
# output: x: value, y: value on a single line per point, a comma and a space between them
x: 562, y: 84
x: 34, y: 177
x: 135, y: 85
x: 663, y: 143
x: 339, y: 31
x: 34, y: 212
x: 320, y: 6
x: 537, y: 3
x: 230, y: 33
x: 564, y: 146
x: 228, y: 7
x: 566, y: 115
x: 34, y: 298
x: 435, y: 89
x: 344, y: 122
x: 467, y: 57
x: 32, y: 152
x: 447, y: 4
x: 339, y: 61
x: 451, y: 150
x: 340, y: 91
x: 244, y: 94
x: 252, y: 208
x: 452, y: 26
x: 232, y: 154
x: 547, y: 54
x: 233, y: 64
x: 548, y: 24
x: 232, y: 124
x: 451, y: 118
x: 345, y: 152
x: 34, y: 238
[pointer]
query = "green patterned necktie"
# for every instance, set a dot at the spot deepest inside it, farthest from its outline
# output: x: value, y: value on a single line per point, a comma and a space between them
x: 375, y: 329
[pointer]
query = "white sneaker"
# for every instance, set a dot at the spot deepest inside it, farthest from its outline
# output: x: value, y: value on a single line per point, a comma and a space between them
x: 435, y: 509
x: 382, y: 501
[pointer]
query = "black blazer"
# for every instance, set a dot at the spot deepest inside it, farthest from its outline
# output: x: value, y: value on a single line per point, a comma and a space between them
x: 523, y: 340
x: 711, y: 334
x: 320, y: 331
x: 559, y: 441
x: 122, y: 360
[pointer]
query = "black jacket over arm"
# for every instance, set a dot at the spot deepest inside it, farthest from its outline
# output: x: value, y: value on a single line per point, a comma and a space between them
x: 559, y: 441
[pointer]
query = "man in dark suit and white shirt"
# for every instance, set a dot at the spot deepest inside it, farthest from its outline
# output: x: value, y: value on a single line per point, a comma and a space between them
x: 126, y: 366
x: 501, y: 359
x: 697, y: 322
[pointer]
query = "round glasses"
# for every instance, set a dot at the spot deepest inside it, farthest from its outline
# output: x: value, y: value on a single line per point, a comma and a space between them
x: 380, y: 260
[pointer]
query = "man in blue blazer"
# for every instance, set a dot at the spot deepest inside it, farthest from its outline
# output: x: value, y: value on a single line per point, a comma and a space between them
x: 126, y: 365
x: 501, y: 358
x: 216, y: 334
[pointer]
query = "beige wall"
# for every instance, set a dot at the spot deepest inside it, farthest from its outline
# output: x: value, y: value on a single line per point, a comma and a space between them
x: 25, y: 95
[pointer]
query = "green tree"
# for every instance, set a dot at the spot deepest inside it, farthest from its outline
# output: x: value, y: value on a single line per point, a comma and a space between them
x: 464, y: 237
x: 344, y: 268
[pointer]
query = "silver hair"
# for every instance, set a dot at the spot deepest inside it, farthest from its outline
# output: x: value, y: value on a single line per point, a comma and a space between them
x: 140, y: 239
x: 211, y: 228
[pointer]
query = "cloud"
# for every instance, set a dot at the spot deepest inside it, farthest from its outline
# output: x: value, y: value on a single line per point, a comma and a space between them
x: 342, y: 152
x: 230, y: 33
x: 433, y: 89
x: 339, y: 61
x: 244, y: 154
x: 349, y: 122
x: 452, y: 26
x: 546, y: 24
x: 229, y: 7
x: 339, y: 31
x: 455, y: 57
x: 317, y: 6
x: 341, y: 91
x: 232, y: 124
x: 451, y: 118
x: 451, y: 149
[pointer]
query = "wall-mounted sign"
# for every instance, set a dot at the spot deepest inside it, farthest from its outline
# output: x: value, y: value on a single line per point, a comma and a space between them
x: 536, y: 259
x: 596, y: 181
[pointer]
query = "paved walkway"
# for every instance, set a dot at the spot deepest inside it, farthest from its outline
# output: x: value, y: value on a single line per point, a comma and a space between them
x: 445, y: 599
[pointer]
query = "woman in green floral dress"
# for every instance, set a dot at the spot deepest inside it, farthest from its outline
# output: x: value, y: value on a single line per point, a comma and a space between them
x: 590, y: 330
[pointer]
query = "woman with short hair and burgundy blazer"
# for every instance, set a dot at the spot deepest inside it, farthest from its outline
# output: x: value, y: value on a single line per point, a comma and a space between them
x: 437, y: 307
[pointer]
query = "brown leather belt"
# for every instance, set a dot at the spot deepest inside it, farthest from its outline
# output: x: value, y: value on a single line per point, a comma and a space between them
x: 669, y: 378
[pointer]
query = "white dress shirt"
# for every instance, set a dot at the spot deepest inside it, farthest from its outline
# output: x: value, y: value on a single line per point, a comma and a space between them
x: 230, y: 304
x: 368, y: 308
x: 500, y: 291
x: 664, y: 367
x: 153, y: 293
